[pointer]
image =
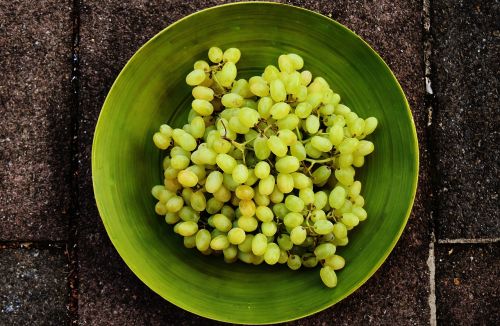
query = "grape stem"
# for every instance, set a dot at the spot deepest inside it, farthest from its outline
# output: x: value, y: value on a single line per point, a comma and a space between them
x: 319, y: 161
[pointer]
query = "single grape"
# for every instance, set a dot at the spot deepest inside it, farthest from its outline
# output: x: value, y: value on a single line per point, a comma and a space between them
x: 328, y: 276
x: 293, y: 219
x: 294, y: 262
x: 272, y: 253
x: 259, y: 244
x: 232, y: 55
x: 323, y: 226
x: 215, y: 54
x: 284, y: 182
x: 294, y: 203
x: 298, y: 235
x: 324, y: 250
x: 219, y: 242
x: 195, y: 77
x: 187, y: 229
x: 266, y: 185
x: 339, y: 230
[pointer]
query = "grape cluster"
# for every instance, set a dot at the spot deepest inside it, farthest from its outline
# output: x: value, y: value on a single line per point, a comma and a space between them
x: 264, y: 169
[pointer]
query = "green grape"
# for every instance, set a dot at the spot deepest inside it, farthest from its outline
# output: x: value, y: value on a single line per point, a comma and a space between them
x: 270, y: 73
x: 213, y: 206
x: 296, y: 60
x: 339, y: 231
x: 166, y: 162
x: 320, y: 199
x: 187, y: 178
x: 252, y: 178
x: 364, y: 147
x: 260, y: 88
x: 236, y: 236
x: 202, y: 107
x: 324, y: 250
x: 276, y: 196
x: 266, y: 185
x: 323, y: 227
x: 350, y: 220
x: 272, y: 254
x: 184, y: 140
x: 293, y: 219
x: 259, y: 199
x: 277, y: 90
x: 298, y: 150
x: 290, y: 122
x: 328, y: 276
x: 264, y: 106
x: 190, y: 242
x: 318, y: 214
x: 232, y: 55
x: 287, y: 164
x: 312, y: 124
x: 357, y: 127
x: 370, y: 125
x: 305, y: 77
x: 257, y: 260
x: 222, y: 222
x: 165, y: 195
x: 262, y: 170
x: 346, y: 208
x: 294, y: 262
x: 309, y: 260
x: 241, y: 88
x: 311, y: 151
x: 222, y: 194
x: 161, y: 141
x: 277, y: 146
x: 228, y: 211
x: 230, y: 253
x: 284, y: 182
x: 246, y: 245
x: 219, y: 242
x: 341, y: 241
x: 202, y: 240
x: 285, y: 63
x: 247, y: 207
x: 284, y: 242
x: 336, y: 135
x: 322, y: 144
x: 345, y: 176
x: 244, y: 192
x: 160, y: 208
x: 172, y: 185
x: 248, y: 223
x: 201, y: 64
x: 195, y: 77
x: 248, y: 117
x: 358, y: 160
x: 264, y: 214
x: 232, y: 100
x: 321, y: 174
x: 327, y: 109
x: 269, y: 228
x: 360, y: 213
x: 280, y: 110
x: 345, y: 160
x: 280, y: 210
x: 294, y: 203
x: 215, y: 54
x: 214, y: 181
x: 301, y: 181
x: 355, y: 189
x: 177, y: 150
x: 174, y: 204
x: 303, y: 110
x: 337, y: 197
x: 359, y: 201
x: 307, y: 195
x: 348, y: 145
x: 240, y: 173
x: 187, y: 228
x: 336, y: 262
x: 283, y: 257
x: 203, y: 93
x: 171, y: 218
x: 227, y: 75
x: 261, y: 149
x: 246, y: 257
x: 298, y: 235
x: 198, y: 201
x: 292, y: 85
x: 287, y: 136
x: 226, y: 162
x: 301, y: 95
x: 236, y: 126
x: 259, y: 244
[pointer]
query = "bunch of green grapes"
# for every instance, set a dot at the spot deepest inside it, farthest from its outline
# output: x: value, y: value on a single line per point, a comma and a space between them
x: 264, y: 169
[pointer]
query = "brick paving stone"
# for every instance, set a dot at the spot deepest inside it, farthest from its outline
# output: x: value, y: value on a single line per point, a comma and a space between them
x: 466, y: 66
x: 33, y: 288
x: 111, y: 33
x: 467, y: 286
x: 35, y: 71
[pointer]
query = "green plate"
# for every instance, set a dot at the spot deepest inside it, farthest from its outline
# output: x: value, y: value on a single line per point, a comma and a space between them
x: 151, y: 90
